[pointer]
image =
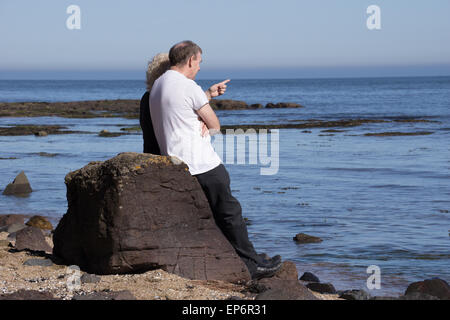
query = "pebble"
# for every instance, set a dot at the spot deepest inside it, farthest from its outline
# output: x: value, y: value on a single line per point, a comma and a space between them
x: 354, y: 295
x: 90, y: 278
x: 38, y: 262
x: 309, y: 277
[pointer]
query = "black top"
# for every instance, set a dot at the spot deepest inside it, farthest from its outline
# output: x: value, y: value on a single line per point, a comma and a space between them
x: 145, y: 120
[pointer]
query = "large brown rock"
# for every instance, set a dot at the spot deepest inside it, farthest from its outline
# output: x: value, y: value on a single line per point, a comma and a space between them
x: 137, y: 212
x: 434, y: 287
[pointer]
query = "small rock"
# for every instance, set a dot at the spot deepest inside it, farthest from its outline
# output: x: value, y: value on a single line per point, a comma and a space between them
x: 284, y: 285
x: 39, y: 222
x: 287, y: 290
x: 23, y: 294
x: 46, y: 154
x: 304, y: 238
x: 321, y: 287
x: 20, y: 186
x: 309, y: 277
x: 38, y: 262
x: 90, y: 278
x: 8, y: 219
x: 31, y: 238
x: 288, y: 271
x: 354, y: 295
x: 283, y: 105
x: 106, y: 133
x: 434, y: 287
x: 15, y: 227
x: 41, y: 134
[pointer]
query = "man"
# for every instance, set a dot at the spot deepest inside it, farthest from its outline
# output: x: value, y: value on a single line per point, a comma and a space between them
x: 183, y: 121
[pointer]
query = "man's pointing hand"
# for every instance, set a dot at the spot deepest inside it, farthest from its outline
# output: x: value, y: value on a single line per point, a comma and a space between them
x: 218, y: 89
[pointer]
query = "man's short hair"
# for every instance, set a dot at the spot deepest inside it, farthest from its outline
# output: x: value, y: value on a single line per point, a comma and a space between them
x: 180, y: 53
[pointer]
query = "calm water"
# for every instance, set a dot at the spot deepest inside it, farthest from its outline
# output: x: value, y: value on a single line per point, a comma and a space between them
x: 381, y: 201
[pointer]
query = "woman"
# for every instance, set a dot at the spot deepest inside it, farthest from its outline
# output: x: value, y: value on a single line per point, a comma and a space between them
x: 159, y: 64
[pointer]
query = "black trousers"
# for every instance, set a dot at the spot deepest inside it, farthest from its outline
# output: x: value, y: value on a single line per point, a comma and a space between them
x: 227, y: 213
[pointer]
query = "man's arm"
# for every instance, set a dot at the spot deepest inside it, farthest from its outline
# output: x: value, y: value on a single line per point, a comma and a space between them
x: 208, y: 116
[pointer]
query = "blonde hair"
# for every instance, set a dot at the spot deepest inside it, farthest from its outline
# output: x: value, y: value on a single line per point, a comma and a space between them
x: 159, y: 64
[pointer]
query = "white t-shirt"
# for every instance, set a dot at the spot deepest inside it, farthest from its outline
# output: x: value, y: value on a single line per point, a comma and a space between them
x: 173, y: 101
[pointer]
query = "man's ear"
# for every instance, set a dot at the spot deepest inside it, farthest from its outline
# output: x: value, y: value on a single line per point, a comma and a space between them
x: 190, y: 61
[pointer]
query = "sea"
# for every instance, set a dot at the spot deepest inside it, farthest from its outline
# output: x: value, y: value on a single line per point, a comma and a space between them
x: 380, y: 203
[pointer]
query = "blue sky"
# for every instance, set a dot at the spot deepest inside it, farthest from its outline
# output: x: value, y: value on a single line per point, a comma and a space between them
x: 239, y: 38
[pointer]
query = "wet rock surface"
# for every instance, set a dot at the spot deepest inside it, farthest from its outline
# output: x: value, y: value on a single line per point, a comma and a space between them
x: 396, y: 133
x: 40, y: 131
x: 305, y: 238
x: 103, y: 109
x: 283, y: 105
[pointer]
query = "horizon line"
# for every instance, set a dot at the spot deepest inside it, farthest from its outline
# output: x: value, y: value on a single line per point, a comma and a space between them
x: 244, y: 78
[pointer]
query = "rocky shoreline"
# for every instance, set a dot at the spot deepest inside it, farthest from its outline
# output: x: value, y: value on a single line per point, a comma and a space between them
x: 28, y: 274
x: 129, y: 109
x: 110, y: 108
x: 34, y: 273
x: 45, y: 130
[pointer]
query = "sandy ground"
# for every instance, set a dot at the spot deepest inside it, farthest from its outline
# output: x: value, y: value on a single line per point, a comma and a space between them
x: 62, y: 282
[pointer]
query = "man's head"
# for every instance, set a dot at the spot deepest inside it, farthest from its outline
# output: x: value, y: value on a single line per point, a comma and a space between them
x: 186, y: 57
